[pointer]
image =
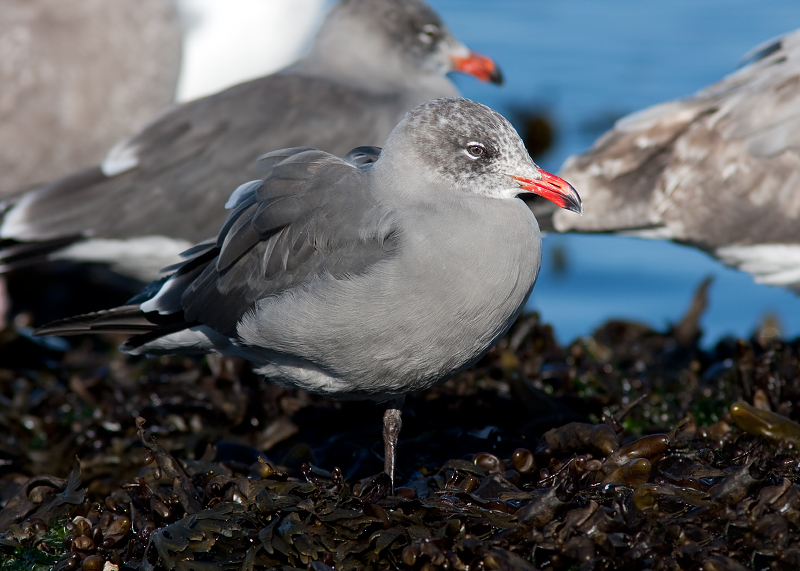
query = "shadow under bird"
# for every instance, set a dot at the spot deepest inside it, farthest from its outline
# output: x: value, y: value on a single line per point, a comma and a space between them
x: 367, y: 277
x: 719, y: 170
x: 161, y: 190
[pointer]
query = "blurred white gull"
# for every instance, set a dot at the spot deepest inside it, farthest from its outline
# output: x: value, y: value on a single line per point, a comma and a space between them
x: 226, y: 43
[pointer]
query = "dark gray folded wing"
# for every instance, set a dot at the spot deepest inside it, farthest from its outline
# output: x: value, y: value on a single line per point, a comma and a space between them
x: 313, y: 216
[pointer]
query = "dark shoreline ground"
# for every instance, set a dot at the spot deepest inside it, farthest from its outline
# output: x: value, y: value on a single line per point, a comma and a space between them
x: 622, y: 450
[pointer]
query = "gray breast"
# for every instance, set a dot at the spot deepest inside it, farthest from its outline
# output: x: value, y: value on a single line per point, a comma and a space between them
x: 461, y: 288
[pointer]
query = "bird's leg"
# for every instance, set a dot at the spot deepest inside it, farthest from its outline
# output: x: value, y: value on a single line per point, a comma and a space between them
x: 391, y: 430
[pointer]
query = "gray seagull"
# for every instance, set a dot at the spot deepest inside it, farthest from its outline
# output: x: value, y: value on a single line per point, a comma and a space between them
x: 367, y: 277
x: 162, y: 190
x: 719, y: 170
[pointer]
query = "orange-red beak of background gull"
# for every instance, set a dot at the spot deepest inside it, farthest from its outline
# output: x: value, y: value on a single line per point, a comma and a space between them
x: 554, y: 189
x: 480, y: 66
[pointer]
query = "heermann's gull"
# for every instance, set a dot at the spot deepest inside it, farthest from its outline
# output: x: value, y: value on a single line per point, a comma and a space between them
x: 76, y: 77
x: 161, y: 190
x: 357, y: 279
x: 719, y: 170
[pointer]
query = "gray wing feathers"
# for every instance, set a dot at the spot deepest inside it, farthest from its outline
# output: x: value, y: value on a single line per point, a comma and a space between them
x: 242, y: 193
x: 55, y: 201
x: 268, y: 161
x: 301, y: 229
x: 733, y: 147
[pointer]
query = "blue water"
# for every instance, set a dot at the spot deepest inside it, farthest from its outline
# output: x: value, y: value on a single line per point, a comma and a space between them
x: 584, y: 63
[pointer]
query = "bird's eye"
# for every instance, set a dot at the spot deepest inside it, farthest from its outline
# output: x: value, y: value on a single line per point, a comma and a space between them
x: 476, y: 150
x: 429, y: 33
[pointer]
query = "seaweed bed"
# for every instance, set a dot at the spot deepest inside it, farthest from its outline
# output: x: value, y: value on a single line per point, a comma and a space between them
x: 630, y: 449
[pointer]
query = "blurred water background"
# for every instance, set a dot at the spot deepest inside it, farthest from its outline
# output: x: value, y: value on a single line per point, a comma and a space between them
x: 583, y: 64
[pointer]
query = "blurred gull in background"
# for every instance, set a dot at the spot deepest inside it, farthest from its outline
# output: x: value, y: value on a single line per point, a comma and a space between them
x: 79, y: 76
x: 719, y: 170
x: 76, y: 77
x: 164, y: 188
x: 237, y: 40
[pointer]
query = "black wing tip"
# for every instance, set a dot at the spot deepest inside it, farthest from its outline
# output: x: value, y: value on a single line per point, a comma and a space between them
x: 126, y: 320
x: 762, y: 51
x: 15, y: 254
x: 63, y: 327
